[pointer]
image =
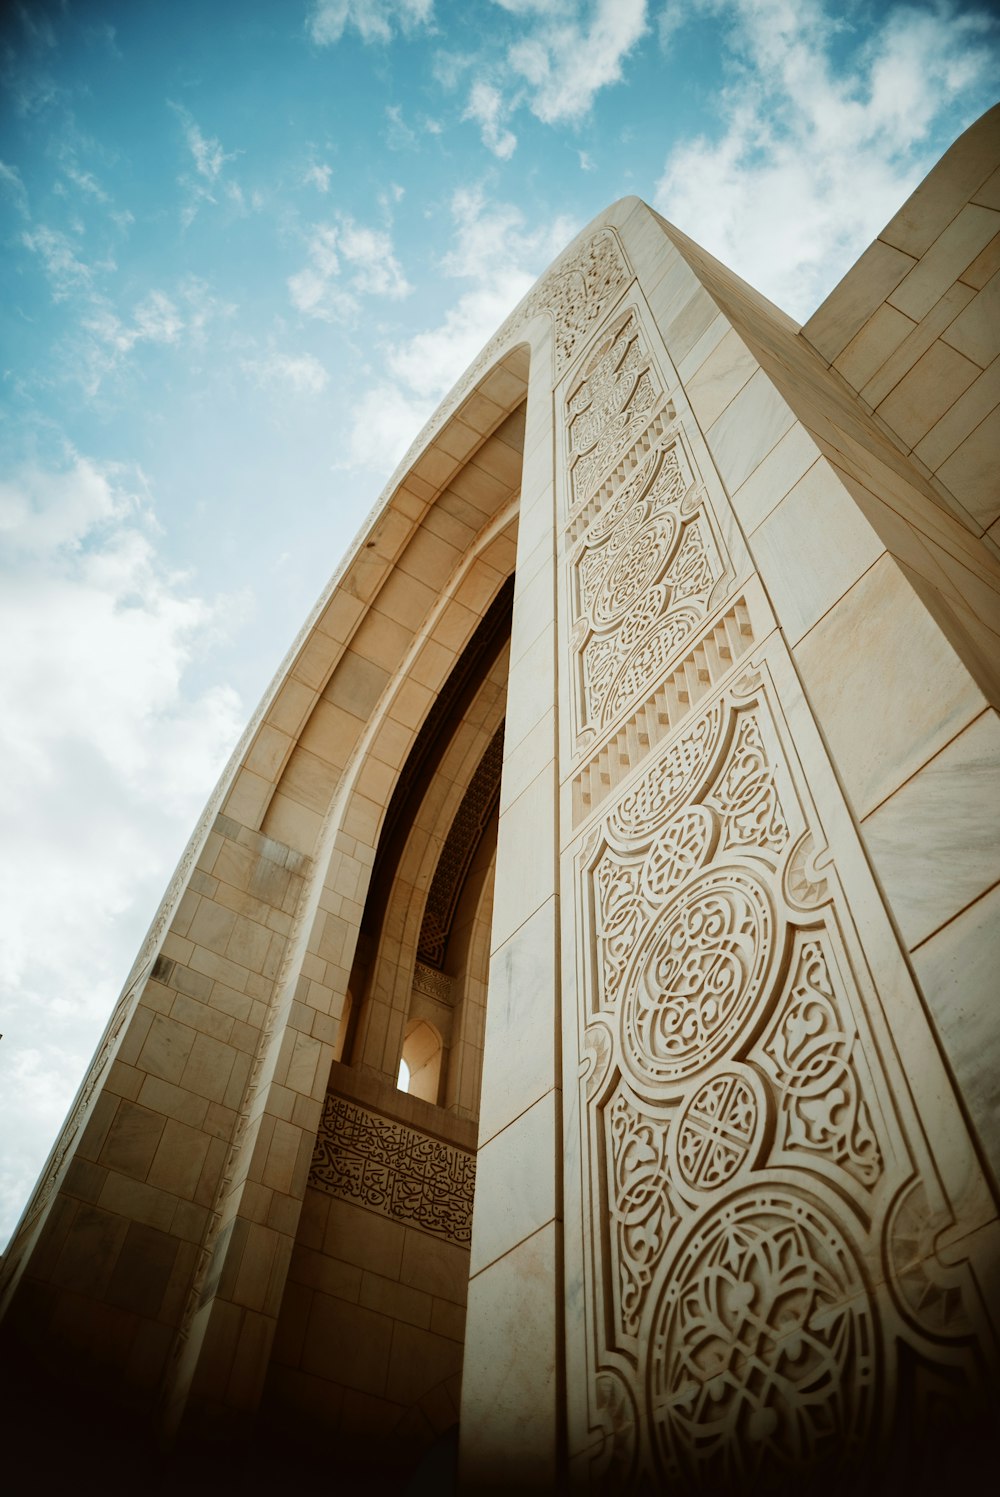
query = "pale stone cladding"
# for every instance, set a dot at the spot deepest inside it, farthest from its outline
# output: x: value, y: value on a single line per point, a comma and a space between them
x: 737, y: 1141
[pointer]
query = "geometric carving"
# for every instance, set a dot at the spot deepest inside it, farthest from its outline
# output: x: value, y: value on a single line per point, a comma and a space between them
x: 394, y: 1170
x: 697, y: 974
x: 764, y: 1360
x: 929, y: 1291
x: 809, y: 1052
x: 458, y: 851
x: 609, y: 404
x: 720, y: 1130
x: 666, y: 705
x: 805, y: 887
x: 640, y: 1208
x: 752, y: 1155
x: 642, y: 578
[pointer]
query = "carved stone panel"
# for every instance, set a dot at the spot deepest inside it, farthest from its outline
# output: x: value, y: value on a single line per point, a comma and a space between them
x: 762, y: 1208
x: 394, y: 1170
x: 642, y: 580
x: 609, y: 404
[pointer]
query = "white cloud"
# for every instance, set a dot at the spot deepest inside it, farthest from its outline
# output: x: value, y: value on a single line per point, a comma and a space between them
x: 303, y: 374
x: 105, y: 754
x: 319, y: 177
x: 210, y: 160
x: 812, y: 145
x: 10, y: 178
x: 572, y: 51
x: 500, y: 259
x: 373, y: 20
x: 486, y: 107
x: 109, y: 338
x: 383, y: 424
x: 65, y: 270
x: 346, y: 259
x: 209, y: 157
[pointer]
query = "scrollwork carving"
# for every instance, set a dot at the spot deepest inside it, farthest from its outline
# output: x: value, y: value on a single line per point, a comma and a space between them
x: 697, y: 974
x: 640, y: 1207
x: 809, y: 1053
x: 746, y: 793
x: 608, y: 406
x: 764, y: 1359
x: 647, y: 567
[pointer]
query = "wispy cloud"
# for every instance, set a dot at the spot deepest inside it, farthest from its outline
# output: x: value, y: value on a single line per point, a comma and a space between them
x: 105, y: 752
x: 815, y: 145
x: 65, y: 270
x: 373, y: 20
x: 486, y: 107
x: 84, y: 180
x: 109, y: 338
x: 498, y: 257
x: 208, y: 184
x: 346, y: 260
x: 302, y: 374
x: 318, y: 176
x: 14, y: 188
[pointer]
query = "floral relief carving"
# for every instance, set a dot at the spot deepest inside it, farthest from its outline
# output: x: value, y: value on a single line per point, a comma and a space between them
x: 644, y: 573
x: 809, y: 1053
x: 765, y: 1350
x: 746, y: 793
x: 747, y: 1172
x: 641, y: 1211
x: 610, y: 404
x: 578, y: 293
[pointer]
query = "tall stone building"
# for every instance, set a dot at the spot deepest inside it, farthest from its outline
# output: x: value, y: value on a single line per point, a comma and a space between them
x: 633, y: 786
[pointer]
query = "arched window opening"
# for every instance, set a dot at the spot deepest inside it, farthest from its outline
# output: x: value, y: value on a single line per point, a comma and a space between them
x: 421, y: 1061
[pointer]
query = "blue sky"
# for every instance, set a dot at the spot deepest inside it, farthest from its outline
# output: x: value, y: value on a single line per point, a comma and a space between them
x: 246, y: 248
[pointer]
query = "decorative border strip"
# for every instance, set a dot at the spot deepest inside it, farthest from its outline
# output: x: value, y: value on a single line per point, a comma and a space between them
x: 394, y: 1170
x: 663, y: 422
x: 714, y: 655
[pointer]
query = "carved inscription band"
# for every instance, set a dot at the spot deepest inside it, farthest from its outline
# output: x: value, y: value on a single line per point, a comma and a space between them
x: 394, y: 1170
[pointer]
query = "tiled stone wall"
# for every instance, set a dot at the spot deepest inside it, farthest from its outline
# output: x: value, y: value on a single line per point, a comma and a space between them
x: 125, y: 1236
x: 369, y: 1340
x: 914, y: 327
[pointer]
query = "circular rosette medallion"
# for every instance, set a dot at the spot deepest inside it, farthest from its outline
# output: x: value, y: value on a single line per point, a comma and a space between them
x: 720, y: 1130
x: 640, y: 563
x: 763, y: 1349
x: 697, y: 975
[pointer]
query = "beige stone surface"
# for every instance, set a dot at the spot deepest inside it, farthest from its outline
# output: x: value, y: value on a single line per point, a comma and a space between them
x: 519, y: 1019
x: 516, y: 1183
x: 935, y: 841
x: 884, y: 683
x: 957, y: 968
x: 509, y: 1386
x: 812, y: 548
